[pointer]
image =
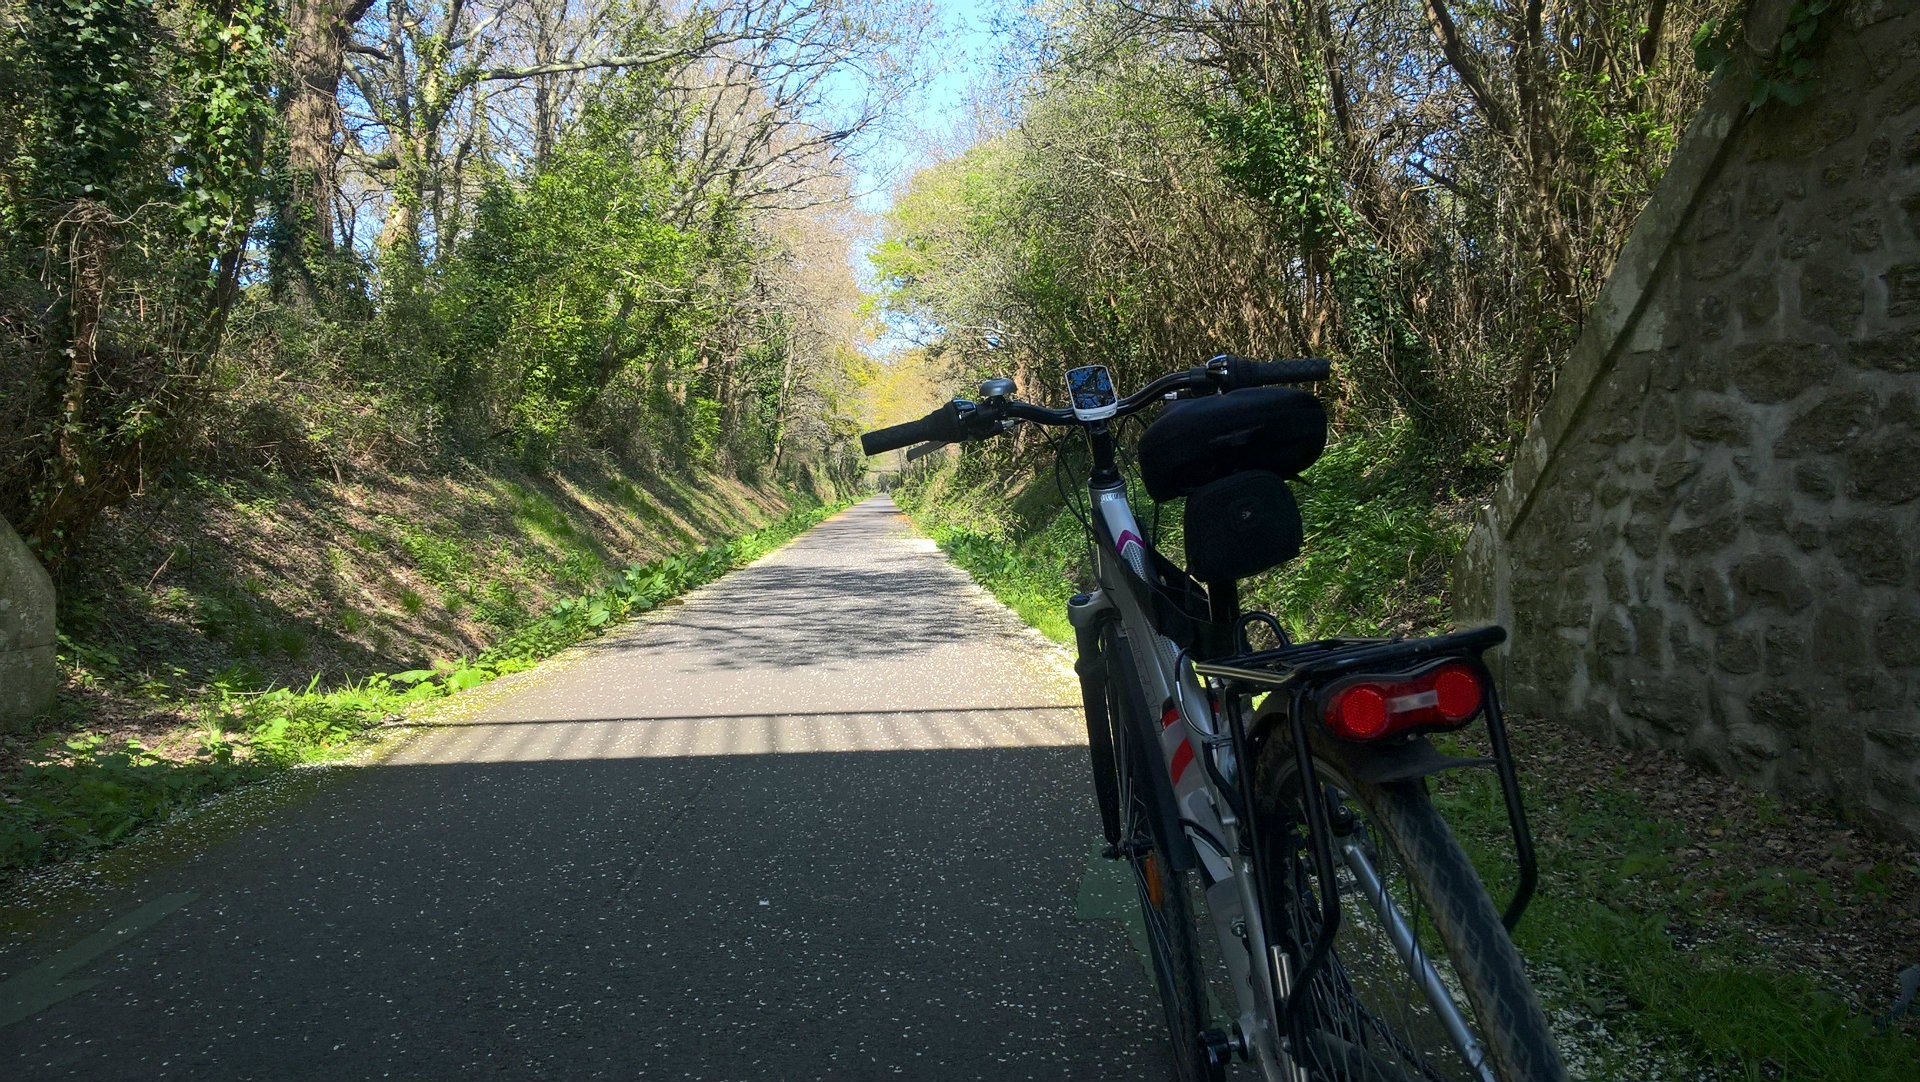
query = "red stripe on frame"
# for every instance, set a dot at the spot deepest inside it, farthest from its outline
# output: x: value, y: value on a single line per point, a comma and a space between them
x: 1182, y: 759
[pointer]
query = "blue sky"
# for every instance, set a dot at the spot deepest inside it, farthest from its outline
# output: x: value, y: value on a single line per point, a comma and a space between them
x: 965, y: 50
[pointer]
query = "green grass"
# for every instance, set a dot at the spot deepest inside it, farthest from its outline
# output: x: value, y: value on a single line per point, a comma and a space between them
x: 83, y: 794
x: 1607, y: 926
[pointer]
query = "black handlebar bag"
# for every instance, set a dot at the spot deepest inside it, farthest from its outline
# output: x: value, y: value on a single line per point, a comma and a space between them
x: 1280, y: 430
x: 1229, y: 455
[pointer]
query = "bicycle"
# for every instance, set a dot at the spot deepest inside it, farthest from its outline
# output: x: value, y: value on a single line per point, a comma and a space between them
x: 1351, y: 938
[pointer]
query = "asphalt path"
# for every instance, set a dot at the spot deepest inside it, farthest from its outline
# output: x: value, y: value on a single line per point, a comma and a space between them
x: 828, y: 818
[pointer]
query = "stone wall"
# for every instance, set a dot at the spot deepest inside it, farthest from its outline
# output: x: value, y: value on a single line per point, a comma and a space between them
x: 1710, y: 539
x: 27, y: 673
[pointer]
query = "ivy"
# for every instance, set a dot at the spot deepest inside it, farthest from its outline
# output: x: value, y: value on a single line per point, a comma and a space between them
x: 91, y: 104
x: 1786, y: 76
x: 224, y: 71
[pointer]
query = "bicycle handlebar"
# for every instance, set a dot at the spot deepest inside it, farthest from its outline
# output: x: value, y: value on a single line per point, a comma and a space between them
x: 940, y: 426
x: 961, y: 420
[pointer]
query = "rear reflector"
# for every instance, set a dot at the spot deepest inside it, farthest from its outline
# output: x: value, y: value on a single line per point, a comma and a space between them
x: 1369, y: 709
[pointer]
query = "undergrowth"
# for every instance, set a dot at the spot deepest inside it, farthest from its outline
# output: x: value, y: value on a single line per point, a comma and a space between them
x: 83, y: 793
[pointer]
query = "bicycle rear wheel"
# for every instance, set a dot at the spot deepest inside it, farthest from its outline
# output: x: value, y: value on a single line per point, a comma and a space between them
x: 1417, y: 933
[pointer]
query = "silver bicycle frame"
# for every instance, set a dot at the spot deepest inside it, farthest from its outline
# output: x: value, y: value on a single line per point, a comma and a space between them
x: 1195, y: 748
x: 1189, y: 730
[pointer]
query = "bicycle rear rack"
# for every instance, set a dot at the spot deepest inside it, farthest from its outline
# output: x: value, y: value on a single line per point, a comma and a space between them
x: 1299, y: 671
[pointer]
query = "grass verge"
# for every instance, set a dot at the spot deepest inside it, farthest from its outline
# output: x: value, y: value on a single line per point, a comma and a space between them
x: 85, y: 793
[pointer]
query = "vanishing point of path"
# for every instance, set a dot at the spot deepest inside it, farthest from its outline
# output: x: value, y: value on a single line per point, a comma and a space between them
x: 829, y: 818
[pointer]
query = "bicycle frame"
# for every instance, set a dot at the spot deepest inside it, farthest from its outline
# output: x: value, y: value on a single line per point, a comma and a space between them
x: 1192, y: 749
x: 1201, y: 732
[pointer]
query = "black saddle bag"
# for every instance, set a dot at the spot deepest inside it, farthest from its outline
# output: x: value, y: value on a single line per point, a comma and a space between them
x: 1241, y: 525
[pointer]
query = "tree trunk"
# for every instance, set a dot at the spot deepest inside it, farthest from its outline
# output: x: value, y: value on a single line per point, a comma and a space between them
x: 317, y: 35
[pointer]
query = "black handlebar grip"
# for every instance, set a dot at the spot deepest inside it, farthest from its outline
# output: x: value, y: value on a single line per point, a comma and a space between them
x: 940, y: 426
x: 1245, y: 372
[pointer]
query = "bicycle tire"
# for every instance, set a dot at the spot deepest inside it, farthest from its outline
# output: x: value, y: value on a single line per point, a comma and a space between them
x: 1365, y: 999
x: 1164, y: 892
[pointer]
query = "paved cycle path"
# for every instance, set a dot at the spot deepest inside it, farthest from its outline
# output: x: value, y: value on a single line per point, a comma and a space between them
x: 828, y: 818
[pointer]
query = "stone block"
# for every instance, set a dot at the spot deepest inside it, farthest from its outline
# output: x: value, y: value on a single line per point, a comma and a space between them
x: 1832, y: 295
x: 28, y: 674
x: 1643, y: 536
x: 1759, y: 298
x: 1778, y: 707
x: 1710, y: 495
x: 1714, y: 259
x: 1657, y: 424
x: 1713, y: 419
x: 1773, y: 580
x: 1706, y: 537
x: 1778, y: 371
x: 1904, y: 96
x: 1615, y: 577
x: 1786, y: 650
x: 1768, y: 190
x: 1737, y: 652
x: 1898, y: 733
x: 1815, y: 479
x: 1711, y: 596
x: 1806, y: 534
x: 1753, y: 742
x: 1866, y: 232
x: 1675, y: 468
x: 1898, y: 352
x: 1869, y: 687
x: 1802, y: 240
x: 1765, y: 516
x: 1896, y: 783
x: 1714, y: 217
x: 1835, y: 123
x: 1903, y: 409
x: 1691, y: 658
x: 1879, y: 152
x: 1896, y: 636
x: 1831, y: 423
x: 1903, y: 289
x: 1872, y: 549
x: 1882, y: 469
x: 1839, y: 642
x: 1708, y: 324
x: 1671, y: 704
x: 1649, y: 625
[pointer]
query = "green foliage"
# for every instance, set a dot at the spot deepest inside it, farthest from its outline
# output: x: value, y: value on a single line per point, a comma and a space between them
x: 84, y: 793
x: 1033, y: 576
x: 1786, y: 75
x: 1377, y: 546
x: 223, y: 76
x: 1379, y: 540
x: 91, y: 100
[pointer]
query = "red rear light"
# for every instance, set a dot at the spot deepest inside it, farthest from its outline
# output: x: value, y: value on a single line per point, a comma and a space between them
x: 1359, y: 713
x: 1457, y: 693
x: 1370, y: 709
